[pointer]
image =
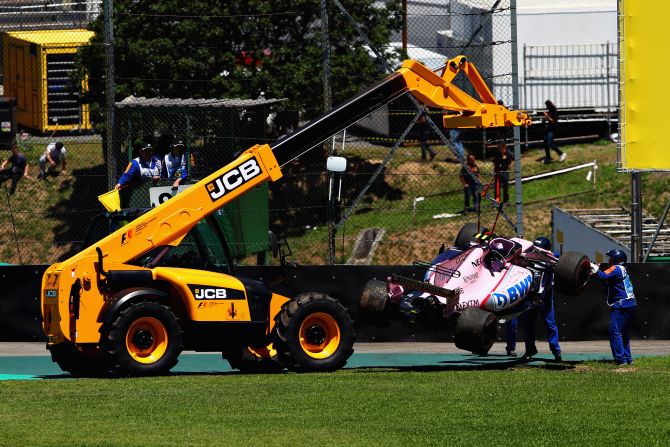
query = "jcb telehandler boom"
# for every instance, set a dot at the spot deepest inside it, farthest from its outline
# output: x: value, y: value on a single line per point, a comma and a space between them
x: 114, y: 308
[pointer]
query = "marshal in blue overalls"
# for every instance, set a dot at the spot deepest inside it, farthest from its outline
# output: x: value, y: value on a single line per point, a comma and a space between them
x: 622, y: 303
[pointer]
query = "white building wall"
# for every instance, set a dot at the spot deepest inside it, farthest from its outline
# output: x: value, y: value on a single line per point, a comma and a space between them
x: 561, y: 23
x: 567, y: 25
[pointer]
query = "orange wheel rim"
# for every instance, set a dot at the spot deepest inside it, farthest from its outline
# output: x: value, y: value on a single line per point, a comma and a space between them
x: 146, y: 340
x: 319, y: 335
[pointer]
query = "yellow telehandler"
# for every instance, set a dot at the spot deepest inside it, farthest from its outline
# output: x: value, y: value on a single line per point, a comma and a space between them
x: 125, y: 306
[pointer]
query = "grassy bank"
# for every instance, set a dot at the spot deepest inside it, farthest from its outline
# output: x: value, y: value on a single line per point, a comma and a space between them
x: 39, y: 221
x: 412, y: 232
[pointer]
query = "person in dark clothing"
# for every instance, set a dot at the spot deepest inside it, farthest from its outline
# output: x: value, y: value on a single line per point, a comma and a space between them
x: 469, y: 178
x: 545, y: 308
x: 18, y: 169
x: 424, y: 133
x: 502, y: 163
x: 551, y: 125
x: 511, y: 327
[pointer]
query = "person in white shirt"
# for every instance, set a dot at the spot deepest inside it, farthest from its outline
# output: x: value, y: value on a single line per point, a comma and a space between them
x: 174, y: 164
x: 54, y: 155
x: 145, y: 167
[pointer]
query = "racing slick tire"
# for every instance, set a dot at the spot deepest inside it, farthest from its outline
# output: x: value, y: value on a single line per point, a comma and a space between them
x: 373, y: 304
x: 572, y: 272
x: 252, y: 359
x: 82, y: 361
x: 314, y: 333
x: 144, y: 339
x: 475, y: 330
x: 467, y: 235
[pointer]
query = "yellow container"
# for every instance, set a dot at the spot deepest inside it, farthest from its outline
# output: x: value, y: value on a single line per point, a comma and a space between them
x: 37, y: 67
x: 111, y: 200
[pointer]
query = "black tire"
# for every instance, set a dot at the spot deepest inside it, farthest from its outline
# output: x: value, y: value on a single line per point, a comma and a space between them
x: 572, y: 273
x: 466, y: 235
x: 144, y: 339
x: 85, y: 361
x: 252, y: 360
x: 475, y: 330
x: 314, y: 332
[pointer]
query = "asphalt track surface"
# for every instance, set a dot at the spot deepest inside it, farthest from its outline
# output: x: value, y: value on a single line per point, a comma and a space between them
x: 29, y: 361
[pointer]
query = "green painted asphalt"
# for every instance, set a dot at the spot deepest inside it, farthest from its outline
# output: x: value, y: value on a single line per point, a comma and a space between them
x: 41, y: 367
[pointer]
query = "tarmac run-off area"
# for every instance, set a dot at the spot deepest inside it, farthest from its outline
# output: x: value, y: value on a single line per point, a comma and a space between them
x: 24, y: 361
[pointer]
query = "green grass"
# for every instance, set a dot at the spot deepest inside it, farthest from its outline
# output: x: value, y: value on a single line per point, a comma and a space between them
x: 589, y: 404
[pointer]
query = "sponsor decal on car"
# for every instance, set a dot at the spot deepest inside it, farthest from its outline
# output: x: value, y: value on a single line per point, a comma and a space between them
x: 233, y: 179
x: 460, y: 258
x: 465, y: 304
x: 505, y: 298
x: 470, y: 278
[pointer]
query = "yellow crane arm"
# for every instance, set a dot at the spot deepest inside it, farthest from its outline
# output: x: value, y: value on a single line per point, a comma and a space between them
x: 438, y: 91
x: 173, y: 219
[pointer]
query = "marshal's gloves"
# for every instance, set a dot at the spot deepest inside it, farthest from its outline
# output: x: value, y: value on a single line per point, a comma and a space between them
x: 594, y: 268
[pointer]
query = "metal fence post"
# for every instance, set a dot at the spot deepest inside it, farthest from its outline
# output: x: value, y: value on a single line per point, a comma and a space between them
x: 109, y: 92
x: 607, y: 86
x: 636, y: 217
x: 327, y: 105
x: 517, y: 131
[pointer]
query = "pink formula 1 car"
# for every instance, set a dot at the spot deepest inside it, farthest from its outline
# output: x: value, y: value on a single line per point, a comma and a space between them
x: 470, y: 288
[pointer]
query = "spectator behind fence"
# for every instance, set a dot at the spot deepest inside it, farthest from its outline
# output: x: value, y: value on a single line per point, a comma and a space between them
x: 551, y: 125
x: 143, y: 168
x: 54, y: 155
x: 18, y: 169
x: 470, y: 180
x: 174, y: 164
x: 455, y: 137
x: 501, y: 167
x: 424, y: 133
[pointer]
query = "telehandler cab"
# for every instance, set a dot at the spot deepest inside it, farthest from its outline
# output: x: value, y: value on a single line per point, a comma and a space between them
x: 125, y: 306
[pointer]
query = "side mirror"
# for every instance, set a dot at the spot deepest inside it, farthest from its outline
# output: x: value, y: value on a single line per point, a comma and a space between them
x: 336, y: 164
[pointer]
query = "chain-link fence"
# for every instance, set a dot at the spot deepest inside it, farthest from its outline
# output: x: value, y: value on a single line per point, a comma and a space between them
x: 400, y: 198
x: 575, y: 76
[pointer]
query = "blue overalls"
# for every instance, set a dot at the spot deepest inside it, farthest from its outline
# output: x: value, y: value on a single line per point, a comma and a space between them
x: 621, y: 300
x: 546, y: 309
x: 175, y: 166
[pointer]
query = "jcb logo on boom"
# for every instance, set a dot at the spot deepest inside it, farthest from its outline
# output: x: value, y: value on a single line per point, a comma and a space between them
x: 233, y: 179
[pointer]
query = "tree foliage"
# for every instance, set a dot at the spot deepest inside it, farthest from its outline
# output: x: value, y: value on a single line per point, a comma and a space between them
x: 234, y: 48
